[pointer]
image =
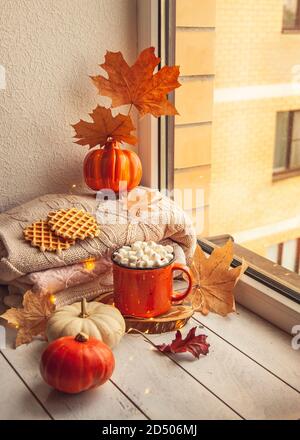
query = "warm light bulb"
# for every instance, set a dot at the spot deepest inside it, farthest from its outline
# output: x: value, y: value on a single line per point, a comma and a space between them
x: 52, y: 299
x: 89, y: 265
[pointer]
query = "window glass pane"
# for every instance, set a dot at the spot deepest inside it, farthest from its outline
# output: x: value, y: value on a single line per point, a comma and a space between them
x: 281, y: 143
x: 289, y: 254
x: 290, y: 14
x: 272, y: 253
x: 296, y: 126
x: 238, y: 93
x: 295, y: 155
x: 295, y: 148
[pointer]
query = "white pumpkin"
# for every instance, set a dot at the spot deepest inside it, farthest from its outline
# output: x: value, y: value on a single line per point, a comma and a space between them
x: 97, y: 320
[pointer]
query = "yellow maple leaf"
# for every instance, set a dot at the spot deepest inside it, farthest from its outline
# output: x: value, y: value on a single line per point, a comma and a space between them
x: 215, y: 280
x: 30, y: 320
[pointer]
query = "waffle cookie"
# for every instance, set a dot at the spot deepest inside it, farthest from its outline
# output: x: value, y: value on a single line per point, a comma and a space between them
x: 73, y: 223
x: 40, y: 235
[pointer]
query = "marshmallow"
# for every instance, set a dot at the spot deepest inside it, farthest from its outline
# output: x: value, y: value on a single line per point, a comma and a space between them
x: 160, y: 250
x: 137, y: 245
x: 157, y: 262
x: 144, y: 254
x: 152, y: 255
x: 132, y: 259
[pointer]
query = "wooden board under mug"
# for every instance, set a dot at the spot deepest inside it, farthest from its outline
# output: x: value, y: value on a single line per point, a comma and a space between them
x: 174, y: 319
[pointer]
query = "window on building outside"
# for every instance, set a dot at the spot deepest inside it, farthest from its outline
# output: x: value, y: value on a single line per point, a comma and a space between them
x: 291, y: 15
x: 286, y: 254
x: 287, y: 143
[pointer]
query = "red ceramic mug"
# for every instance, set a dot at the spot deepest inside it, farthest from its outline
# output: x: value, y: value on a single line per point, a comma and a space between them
x: 147, y: 292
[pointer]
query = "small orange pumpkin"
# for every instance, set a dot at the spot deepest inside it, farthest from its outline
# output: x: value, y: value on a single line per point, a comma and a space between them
x: 76, y: 364
x: 106, y: 167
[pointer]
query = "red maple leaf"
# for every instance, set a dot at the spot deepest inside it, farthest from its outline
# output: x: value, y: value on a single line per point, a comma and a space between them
x: 196, y: 345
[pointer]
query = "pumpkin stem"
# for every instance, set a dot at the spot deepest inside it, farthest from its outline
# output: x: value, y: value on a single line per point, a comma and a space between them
x: 83, y: 313
x: 81, y: 337
x: 110, y: 143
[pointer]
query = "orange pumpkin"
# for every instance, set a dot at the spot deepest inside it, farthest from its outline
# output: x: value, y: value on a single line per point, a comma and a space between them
x: 76, y: 364
x: 106, y: 167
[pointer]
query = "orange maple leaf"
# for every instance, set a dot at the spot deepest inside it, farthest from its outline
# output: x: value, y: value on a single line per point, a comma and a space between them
x: 104, y: 126
x: 215, y: 280
x: 30, y: 320
x: 137, y: 84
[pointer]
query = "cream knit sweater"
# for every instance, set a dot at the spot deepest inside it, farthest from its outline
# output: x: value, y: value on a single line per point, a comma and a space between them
x: 18, y: 258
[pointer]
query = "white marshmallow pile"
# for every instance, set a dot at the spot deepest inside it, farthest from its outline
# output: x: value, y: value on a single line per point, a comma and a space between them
x: 144, y: 254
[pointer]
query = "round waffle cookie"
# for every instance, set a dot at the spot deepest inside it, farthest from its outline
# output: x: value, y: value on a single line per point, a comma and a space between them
x: 41, y: 236
x: 73, y: 223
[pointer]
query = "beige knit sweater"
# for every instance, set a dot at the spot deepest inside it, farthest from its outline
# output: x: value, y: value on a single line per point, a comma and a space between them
x: 18, y: 258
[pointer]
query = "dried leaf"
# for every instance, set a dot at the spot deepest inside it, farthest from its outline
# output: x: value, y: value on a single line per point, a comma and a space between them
x: 104, y: 126
x: 196, y: 345
x: 31, y: 320
x: 215, y: 280
x: 137, y: 84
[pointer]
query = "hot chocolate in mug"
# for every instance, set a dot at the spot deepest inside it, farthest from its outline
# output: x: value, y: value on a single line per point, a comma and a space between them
x: 147, y: 292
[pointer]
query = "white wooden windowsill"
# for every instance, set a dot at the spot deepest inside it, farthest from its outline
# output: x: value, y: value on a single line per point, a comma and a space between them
x: 251, y: 372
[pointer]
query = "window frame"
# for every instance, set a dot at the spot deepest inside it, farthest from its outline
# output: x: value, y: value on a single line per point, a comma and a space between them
x: 156, y: 135
x: 297, y: 260
x: 296, y: 28
x: 268, y: 295
x: 288, y: 171
x: 148, y: 127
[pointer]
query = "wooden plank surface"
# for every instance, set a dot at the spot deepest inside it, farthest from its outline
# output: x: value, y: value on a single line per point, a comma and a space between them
x: 16, y: 401
x: 251, y: 372
x: 239, y: 381
x: 162, y: 389
x: 266, y: 344
x: 152, y: 381
x: 104, y: 403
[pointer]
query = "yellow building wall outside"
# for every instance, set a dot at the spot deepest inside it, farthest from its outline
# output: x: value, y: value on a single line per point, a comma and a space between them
x: 195, y: 53
x: 251, y: 50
